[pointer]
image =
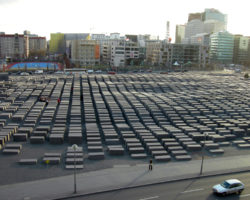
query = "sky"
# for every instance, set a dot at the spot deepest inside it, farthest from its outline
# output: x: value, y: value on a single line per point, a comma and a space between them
x: 43, y: 17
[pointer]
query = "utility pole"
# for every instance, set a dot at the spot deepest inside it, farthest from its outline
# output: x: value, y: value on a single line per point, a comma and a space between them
x: 74, y: 146
x: 202, y: 156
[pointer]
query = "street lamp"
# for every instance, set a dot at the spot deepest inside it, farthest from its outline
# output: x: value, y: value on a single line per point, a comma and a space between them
x: 75, y: 147
x: 202, y: 155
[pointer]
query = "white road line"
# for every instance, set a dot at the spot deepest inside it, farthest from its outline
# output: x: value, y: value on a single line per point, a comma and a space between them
x: 155, y: 197
x: 245, y: 195
x: 195, y: 190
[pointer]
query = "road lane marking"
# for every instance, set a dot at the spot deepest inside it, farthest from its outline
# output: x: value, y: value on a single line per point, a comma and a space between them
x: 244, y: 195
x: 155, y: 197
x: 195, y: 190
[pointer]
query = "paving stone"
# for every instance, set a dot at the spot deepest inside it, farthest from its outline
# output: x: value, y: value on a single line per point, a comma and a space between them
x: 243, y: 146
x: 11, y: 151
x: 28, y: 161
x: 194, y: 147
x: 72, y: 161
x: 138, y: 155
x: 162, y: 158
x: 37, y: 139
x: 72, y: 167
x: 216, y: 151
x: 113, y: 150
x: 96, y: 155
x: 211, y: 146
x: 20, y: 137
x: 183, y: 157
x: 13, y: 146
x: 51, y: 160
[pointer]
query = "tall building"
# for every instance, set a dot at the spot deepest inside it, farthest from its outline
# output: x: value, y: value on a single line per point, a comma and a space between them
x: 12, y: 46
x: 241, y: 49
x: 213, y: 14
x: 179, y: 33
x: 69, y: 37
x: 193, y: 16
x: 37, y: 46
x: 202, y: 39
x: 210, y: 21
x: 85, y: 52
x: 193, y: 27
x: 57, y: 43
x: 221, y: 47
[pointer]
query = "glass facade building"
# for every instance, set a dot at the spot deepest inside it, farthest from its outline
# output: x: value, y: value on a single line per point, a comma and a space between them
x: 221, y: 47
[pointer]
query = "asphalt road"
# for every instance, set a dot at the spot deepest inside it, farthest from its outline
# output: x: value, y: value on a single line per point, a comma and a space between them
x: 200, y: 189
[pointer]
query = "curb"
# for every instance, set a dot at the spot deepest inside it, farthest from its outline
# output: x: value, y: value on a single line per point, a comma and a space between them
x: 197, y: 176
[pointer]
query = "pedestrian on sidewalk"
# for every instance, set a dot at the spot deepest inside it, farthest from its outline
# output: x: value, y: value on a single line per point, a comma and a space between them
x: 150, y: 167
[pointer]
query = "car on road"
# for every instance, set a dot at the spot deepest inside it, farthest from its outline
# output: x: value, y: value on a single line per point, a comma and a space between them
x: 39, y: 72
x: 229, y: 186
x: 24, y: 74
x: 98, y: 71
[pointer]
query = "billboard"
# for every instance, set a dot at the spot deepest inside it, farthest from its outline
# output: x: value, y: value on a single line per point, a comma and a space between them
x: 97, y: 51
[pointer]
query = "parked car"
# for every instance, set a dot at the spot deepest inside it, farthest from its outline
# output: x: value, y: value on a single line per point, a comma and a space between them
x: 228, y: 187
x: 112, y: 72
x: 24, y: 74
x: 90, y: 71
x: 39, y: 72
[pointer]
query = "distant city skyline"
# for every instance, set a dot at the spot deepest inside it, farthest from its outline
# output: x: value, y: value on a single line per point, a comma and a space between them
x: 126, y: 17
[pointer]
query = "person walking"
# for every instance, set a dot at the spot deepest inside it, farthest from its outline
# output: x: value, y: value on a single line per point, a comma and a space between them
x: 58, y: 101
x: 150, y: 167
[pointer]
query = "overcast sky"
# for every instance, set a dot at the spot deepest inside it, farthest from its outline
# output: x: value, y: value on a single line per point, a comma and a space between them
x: 43, y: 17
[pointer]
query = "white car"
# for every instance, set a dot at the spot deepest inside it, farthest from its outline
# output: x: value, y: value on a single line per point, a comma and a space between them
x: 39, y: 72
x: 24, y: 74
x: 228, y: 187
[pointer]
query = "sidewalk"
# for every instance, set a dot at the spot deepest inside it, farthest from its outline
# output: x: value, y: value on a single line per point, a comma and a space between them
x: 120, y: 177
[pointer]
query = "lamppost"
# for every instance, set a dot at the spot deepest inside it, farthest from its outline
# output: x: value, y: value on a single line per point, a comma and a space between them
x: 202, y: 155
x: 74, y: 146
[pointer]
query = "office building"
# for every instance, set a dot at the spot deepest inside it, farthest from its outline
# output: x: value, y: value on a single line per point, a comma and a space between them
x: 192, y: 16
x: 163, y: 54
x: 124, y: 53
x: 57, y: 43
x: 210, y: 21
x: 201, y: 39
x: 69, y: 37
x: 221, y: 47
x: 85, y: 52
x: 214, y: 14
x: 193, y: 27
x: 179, y: 33
x: 241, y: 49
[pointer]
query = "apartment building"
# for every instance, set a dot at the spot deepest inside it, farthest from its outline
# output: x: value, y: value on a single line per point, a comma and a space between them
x: 241, y: 52
x: 36, y: 46
x: 12, y: 46
x: 85, y: 52
x: 124, y: 53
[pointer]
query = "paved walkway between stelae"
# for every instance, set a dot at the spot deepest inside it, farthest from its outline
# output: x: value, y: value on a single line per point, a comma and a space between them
x: 121, y: 176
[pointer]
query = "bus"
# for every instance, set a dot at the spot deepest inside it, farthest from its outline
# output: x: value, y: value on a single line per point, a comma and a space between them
x: 75, y: 71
